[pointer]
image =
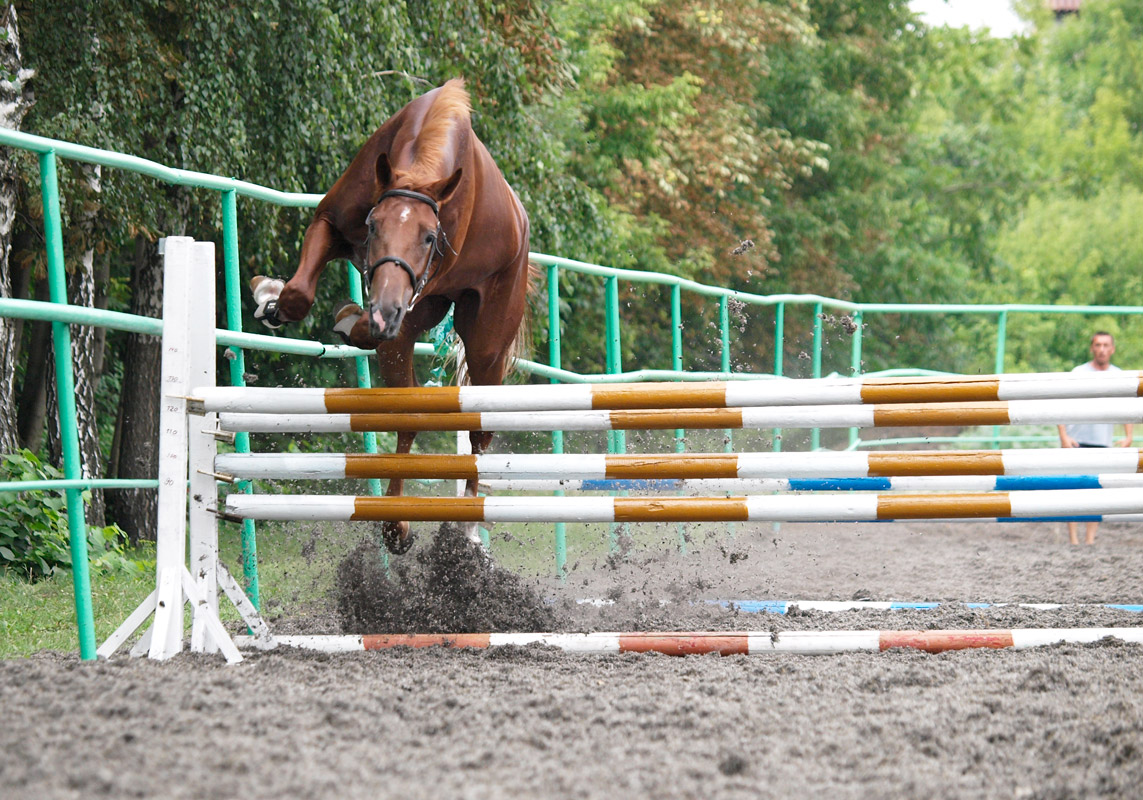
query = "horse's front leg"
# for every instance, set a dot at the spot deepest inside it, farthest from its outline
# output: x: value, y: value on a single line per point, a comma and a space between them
x: 395, y: 362
x: 280, y: 303
x: 397, y: 536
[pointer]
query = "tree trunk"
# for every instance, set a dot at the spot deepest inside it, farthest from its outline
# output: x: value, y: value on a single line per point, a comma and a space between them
x: 81, y: 292
x: 15, y: 100
x: 33, y: 403
x: 136, y: 510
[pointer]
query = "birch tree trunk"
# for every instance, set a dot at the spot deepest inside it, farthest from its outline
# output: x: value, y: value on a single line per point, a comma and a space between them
x: 85, y: 344
x: 15, y: 100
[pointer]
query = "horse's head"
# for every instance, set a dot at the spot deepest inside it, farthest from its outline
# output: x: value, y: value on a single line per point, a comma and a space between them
x: 404, y: 244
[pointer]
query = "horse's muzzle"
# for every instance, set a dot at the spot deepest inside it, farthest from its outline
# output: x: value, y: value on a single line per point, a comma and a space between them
x: 385, y: 322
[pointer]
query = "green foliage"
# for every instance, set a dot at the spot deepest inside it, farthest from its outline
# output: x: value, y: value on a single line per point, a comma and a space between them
x: 34, y: 528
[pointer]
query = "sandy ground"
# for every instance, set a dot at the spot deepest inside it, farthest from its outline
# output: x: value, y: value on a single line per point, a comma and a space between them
x: 1057, y: 722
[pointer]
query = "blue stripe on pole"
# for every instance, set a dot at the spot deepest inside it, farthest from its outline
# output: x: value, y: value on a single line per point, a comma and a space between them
x: 1126, y: 607
x: 635, y: 485
x: 1074, y: 518
x: 913, y: 606
x: 840, y: 484
x: 758, y: 606
x: 1009, y: 483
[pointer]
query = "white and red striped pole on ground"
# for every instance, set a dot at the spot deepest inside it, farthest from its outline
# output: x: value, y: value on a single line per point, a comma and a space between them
x: 727, y: 643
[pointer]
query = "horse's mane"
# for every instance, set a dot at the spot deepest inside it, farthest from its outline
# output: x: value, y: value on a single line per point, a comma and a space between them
x: 451, y: 109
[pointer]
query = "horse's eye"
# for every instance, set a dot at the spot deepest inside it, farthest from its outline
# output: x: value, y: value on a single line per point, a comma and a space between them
x: 371, y: 226
x: 430, y: 239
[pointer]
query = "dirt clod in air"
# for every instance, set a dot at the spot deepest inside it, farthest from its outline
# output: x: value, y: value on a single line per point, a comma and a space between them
x: 451, y: 586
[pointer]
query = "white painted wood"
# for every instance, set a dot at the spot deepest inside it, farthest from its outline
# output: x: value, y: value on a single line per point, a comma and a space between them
x: 202, y: 444
x: 1040, y: 503
x: 211, y: 621
x: 259, y: 399
x: 803, y: 465
x: 1070, y: 460
x: 1096, y: 409
x: 299, y: 466
x: 526, y: 398
x: 261, y: 631
x: 170, y: 558
x: 129, y: 626
x: 167, y: 631
x: 143, y: 646
x: 290, y: 507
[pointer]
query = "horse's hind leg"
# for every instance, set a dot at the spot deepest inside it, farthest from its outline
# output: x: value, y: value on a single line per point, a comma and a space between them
x: 487, y: 348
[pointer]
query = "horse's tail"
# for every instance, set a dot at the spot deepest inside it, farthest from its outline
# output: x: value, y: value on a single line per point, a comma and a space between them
x: 521, y: 346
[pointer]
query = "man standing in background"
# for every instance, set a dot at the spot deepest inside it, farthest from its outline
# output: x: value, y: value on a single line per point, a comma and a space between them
x: 1094, y: 434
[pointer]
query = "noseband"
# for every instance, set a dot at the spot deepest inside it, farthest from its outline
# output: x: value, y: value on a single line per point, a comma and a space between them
x: 440, y: 242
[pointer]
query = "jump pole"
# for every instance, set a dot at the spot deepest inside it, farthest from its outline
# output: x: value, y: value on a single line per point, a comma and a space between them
x: 892, y: 415
x: 727, y: 643
x: 632, y: 396
x: 694, y: 466
x: 752, y: 508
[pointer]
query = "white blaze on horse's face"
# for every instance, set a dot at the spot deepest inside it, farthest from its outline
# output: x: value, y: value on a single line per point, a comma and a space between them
x: 401, y: 235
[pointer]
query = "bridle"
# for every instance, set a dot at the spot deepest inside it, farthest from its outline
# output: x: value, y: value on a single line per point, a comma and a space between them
x: 440, y: 242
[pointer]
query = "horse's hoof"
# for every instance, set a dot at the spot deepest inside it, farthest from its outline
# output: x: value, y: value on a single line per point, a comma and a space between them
x: 395, y: 542
x: 345, y: 316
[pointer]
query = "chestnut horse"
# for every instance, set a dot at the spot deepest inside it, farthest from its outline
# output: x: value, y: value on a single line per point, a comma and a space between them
x: 426, y: 215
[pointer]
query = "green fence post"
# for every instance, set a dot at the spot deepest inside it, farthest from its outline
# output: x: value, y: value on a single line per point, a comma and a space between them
x: 779, y: 352
x: 677, y: 350
x: 65, y: 392
x: 815, y: 433
x: 1001, y: 338
x: 677, y: 366
x: 724, y: 336
x: 616, y: 440
x: 855, y: 363
x: 555, y: 359
x: 237, y: 375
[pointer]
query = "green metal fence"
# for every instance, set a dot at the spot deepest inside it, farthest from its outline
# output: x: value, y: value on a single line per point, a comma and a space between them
x: 61, y: 314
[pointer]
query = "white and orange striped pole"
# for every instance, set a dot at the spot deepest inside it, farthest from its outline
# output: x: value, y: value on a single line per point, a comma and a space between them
x: 630, y: 396
x: 756, y: 508
x: 725, y: 466
x: 1014, y: 412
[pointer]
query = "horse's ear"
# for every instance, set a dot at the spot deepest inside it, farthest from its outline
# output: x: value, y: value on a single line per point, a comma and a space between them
x: 442, y: 191
x: 384, y: 172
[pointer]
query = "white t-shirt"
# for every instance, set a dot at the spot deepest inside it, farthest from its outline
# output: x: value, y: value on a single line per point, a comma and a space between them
x: 1098, y: 434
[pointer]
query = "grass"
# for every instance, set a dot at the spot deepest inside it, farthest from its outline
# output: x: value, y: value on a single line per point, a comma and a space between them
x: 297, y: 565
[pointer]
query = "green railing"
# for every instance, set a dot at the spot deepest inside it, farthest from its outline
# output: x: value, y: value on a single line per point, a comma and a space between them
x: 61, y: 315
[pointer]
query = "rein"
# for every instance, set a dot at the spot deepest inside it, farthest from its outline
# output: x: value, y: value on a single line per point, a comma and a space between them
x: 440, y: 241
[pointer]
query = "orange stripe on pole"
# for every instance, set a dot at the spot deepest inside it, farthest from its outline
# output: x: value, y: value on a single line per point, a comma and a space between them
x: 666, y: 419
x: 388, y: 401
x: 930, y: 462
x: 941, y: 641
x: 684, y: 644
x: 681, y: 509
x: 673, y: 395
x: 418, y: 509
x: 921, y: 414
x: 392, y: 465
x: 698, y: 465
x: 937, y: 390
x: 943, y: 505
x: 387, y: 640
x: 460, y: 421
